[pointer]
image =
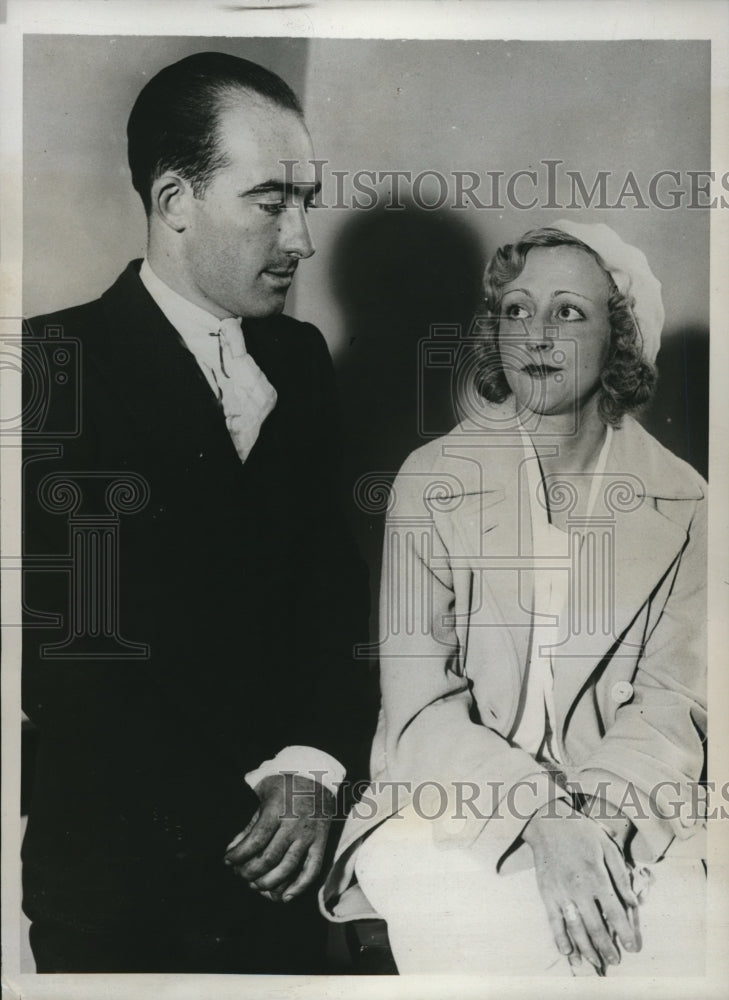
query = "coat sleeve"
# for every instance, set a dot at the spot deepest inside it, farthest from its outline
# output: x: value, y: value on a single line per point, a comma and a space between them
x: 433, y: 737
x: 651, y: 758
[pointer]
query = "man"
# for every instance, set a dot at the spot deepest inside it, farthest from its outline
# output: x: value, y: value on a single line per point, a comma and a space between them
x: 208, y: 642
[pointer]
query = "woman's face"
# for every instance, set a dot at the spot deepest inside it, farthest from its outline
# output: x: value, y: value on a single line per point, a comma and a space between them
x: 554, y: 330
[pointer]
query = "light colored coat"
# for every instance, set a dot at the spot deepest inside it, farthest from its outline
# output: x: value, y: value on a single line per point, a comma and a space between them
x: 456, y: 626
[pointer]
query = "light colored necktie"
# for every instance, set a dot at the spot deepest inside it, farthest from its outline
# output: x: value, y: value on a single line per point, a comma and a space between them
x: 246, y: 394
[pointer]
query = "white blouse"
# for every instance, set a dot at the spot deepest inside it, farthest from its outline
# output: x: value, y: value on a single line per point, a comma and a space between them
x: 534, y: 731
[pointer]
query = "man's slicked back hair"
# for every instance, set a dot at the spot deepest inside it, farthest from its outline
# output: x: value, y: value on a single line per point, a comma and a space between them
x: 174, y: 122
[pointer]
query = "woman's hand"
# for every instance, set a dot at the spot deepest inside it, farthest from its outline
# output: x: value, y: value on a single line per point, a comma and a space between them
x: 614, y: 822
x: 584, y: 883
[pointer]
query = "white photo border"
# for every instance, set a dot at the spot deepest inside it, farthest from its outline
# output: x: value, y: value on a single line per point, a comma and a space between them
x: 489, y: 19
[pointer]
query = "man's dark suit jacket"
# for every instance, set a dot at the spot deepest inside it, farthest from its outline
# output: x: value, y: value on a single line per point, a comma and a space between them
x: 240, y: 578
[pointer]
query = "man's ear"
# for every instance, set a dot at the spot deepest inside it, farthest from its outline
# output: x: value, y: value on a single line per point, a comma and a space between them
x: 171, y: 197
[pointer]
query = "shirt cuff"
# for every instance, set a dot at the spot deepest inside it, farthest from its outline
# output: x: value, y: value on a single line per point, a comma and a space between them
x: 308, y: 762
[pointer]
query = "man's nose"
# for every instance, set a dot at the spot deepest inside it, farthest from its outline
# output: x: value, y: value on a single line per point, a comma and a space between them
x: 296, y: 238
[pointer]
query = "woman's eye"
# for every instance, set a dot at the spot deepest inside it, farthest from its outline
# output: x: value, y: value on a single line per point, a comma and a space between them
x: 569, y: 313
x: 516, y: 311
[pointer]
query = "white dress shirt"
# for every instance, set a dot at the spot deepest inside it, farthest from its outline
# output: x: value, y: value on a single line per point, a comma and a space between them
x: 195, y: 325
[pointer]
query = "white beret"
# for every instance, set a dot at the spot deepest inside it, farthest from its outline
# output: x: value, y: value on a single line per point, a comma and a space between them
x: 633, y: 277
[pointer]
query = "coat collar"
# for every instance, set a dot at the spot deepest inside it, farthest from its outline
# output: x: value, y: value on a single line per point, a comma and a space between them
x: 194, y: 324
x: 659, y: 473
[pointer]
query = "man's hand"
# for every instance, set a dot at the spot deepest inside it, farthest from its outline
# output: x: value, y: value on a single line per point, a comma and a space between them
x: 280, y: 852
x: 585, y: 885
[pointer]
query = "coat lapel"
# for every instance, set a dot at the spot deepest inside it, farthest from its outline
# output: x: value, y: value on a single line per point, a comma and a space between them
x: 492, y: 526
x: 615, y: 561
x: 619, y: 557
x: 162, y: 388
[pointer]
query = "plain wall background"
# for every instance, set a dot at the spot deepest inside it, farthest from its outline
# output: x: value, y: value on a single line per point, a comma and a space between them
x: 379, y: 278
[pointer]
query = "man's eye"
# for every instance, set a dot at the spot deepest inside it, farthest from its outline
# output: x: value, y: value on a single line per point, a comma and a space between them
x: 272, y: 208
x: 569, y: 313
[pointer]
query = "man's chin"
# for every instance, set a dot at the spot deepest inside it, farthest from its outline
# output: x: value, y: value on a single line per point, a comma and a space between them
x: 272, y: 306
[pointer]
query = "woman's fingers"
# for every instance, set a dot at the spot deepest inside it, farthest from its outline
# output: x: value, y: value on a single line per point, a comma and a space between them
x: 580, y: 931
x: 586, y: 886
x: 579, y: 935
x: 559, y: 932
x: 617, y: 918
x: 599, y: 934
x: 621, y: 910
x: 620, y: 874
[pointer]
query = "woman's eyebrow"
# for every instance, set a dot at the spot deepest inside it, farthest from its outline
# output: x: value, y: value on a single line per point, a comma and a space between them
x: 567, y: 291
x: 559, y: 291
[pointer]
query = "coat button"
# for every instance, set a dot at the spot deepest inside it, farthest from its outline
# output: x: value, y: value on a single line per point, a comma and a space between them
x: 621, y: 692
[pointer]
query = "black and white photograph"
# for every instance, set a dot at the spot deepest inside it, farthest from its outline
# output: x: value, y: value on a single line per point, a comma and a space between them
x: 364, y: 543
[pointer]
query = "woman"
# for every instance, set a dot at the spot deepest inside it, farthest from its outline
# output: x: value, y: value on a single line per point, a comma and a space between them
x: 542, y: 730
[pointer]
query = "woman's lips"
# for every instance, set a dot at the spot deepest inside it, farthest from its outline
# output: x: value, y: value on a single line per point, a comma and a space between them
x: 540, y: 371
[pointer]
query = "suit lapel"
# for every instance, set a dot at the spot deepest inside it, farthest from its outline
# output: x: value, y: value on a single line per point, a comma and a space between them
x: 161, y: 385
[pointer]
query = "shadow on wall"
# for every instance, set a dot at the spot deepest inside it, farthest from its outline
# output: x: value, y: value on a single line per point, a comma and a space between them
x: 404, y: 279
x: 679, y: 414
